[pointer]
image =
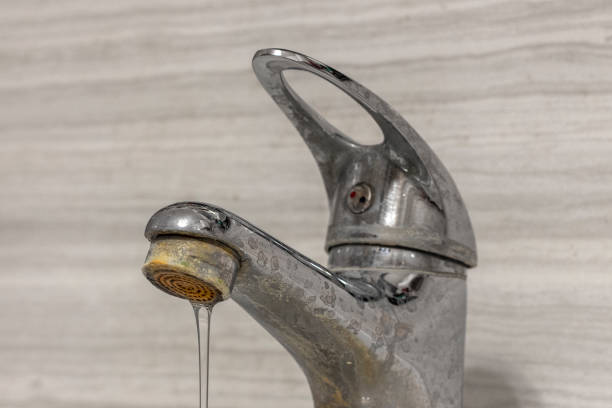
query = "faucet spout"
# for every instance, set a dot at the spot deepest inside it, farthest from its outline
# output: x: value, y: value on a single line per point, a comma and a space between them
x: 356, y: 347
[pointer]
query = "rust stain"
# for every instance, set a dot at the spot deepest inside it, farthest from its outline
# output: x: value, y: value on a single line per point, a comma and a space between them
x: 189, y: 268
x: 337, y: 400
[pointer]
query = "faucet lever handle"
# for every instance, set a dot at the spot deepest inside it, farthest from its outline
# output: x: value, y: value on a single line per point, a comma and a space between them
x: 401, y: 170
x: 326, y: 143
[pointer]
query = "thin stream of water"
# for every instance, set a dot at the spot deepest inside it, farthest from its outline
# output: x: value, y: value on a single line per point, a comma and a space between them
x: 203, y: 378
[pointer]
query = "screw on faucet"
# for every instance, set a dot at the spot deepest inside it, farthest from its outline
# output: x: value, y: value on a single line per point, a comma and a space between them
x: 359, y: 198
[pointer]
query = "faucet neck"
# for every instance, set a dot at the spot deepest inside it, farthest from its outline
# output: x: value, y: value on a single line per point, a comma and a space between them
x: 356, y: 351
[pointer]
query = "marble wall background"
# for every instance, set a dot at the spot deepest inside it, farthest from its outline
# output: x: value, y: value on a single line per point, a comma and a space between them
x: 110, y: 110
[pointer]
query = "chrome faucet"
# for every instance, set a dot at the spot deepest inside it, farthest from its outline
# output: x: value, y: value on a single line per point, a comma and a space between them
x: 384, y: 325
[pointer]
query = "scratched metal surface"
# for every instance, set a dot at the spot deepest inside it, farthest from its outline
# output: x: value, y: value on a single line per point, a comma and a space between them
x: 110, y: 110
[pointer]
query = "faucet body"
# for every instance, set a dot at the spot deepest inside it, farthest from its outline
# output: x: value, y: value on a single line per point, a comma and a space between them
x: 384, y: 324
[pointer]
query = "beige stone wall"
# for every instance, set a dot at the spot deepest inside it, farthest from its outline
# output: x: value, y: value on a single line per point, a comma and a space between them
x: 110, y: 110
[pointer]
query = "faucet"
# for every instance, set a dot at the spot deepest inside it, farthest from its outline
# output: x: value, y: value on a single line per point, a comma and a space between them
x: 384, y: 324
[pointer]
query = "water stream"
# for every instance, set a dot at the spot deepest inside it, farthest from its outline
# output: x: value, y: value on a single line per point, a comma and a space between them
x: 203, y: 351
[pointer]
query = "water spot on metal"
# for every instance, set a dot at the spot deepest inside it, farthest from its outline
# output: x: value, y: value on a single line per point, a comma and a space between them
x: 262, y: 259
x: 330, y: 298
x: 402, y: 330
x: 380, y: 341
x: 387, y: 324
x: 354, y: 326
x: 298, y: 293
x: 320, y: 311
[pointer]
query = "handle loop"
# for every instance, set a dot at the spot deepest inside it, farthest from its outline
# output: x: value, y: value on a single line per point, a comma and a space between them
x: 325, y: 141
x: 401, y: 149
